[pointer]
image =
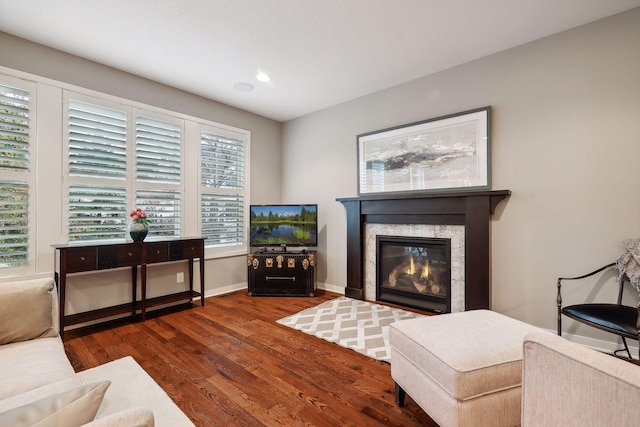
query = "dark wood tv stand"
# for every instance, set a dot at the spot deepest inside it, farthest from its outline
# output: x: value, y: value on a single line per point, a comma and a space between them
x: 98, y: 257
x: 282, y: 273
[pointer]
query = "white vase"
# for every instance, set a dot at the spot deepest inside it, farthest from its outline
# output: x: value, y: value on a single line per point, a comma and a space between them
x: 138, y: 231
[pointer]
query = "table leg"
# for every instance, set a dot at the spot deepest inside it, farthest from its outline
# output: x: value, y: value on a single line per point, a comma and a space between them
x: 143, y: 291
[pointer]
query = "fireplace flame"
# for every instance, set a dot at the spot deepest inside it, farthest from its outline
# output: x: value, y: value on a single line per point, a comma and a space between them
x: 425, y: 271
x: 412, y: 267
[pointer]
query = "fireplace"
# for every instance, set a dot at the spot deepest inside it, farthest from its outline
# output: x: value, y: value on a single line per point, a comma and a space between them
x: 470, y: 210
x: 414, y: 272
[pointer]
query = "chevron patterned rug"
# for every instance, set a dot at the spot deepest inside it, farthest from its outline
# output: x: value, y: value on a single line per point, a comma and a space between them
x: 359, y: 325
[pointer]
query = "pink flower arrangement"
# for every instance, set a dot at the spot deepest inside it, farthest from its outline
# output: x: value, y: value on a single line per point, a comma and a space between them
x: 139, y: 216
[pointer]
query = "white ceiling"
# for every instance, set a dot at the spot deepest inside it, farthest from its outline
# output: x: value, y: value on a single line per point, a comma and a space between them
x: 318, y: 52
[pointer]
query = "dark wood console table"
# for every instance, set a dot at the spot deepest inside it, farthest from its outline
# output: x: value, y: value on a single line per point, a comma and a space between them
x: 84, y: 258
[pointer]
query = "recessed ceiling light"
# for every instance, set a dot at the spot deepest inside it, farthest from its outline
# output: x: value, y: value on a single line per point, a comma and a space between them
x: 263, y: 77
x: 243, y: 87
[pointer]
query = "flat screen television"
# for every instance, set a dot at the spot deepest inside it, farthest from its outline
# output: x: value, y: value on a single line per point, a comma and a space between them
x: 283, y: 225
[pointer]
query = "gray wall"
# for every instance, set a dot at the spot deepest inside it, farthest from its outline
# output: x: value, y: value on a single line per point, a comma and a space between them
x: 566, y: 128
x: 221, y: 274
x: 565, y: 142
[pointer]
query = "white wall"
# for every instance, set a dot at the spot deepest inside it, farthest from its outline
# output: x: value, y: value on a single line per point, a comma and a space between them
x: 565, y: 141
x: 85, y: 292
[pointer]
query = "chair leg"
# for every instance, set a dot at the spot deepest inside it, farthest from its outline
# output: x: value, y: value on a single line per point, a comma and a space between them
x: 626, y: 349
x: 400, y: 395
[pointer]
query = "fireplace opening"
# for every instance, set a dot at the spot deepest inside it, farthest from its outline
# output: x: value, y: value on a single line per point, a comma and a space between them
x: 414, y: 272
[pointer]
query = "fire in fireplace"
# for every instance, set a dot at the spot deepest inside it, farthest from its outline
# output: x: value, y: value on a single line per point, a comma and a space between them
x: 414, y: 272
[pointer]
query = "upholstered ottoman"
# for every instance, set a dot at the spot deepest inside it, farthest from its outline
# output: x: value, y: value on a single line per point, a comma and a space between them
x: 463, y: 369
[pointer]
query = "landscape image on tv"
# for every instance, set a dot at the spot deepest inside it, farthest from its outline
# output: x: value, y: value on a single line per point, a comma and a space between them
x: 277, y: 225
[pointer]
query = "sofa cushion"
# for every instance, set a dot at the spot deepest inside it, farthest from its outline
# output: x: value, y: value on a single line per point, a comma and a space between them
x: 468, y: 354
x: 132, y: 417
x: 27, y: 365
x: 30, y: 396
x: 72, y: 408
x: 25, y: 310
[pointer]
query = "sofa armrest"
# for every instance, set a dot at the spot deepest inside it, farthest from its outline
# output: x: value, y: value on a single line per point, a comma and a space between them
x: 564, y: 383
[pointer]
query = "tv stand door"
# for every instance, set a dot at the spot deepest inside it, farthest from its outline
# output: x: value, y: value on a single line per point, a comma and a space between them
x: 282, y: 274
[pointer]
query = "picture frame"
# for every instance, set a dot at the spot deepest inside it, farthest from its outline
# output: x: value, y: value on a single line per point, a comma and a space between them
x: 447, y: 153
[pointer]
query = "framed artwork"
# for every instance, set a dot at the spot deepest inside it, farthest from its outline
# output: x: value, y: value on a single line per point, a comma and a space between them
x: 449, y: 153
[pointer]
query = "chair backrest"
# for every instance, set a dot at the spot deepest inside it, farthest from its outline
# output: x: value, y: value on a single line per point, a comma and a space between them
x: 623, y: 280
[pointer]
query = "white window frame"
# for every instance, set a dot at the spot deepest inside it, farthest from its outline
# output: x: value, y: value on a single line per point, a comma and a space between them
x: 49, y: 126
x: 68, y: 180
x: 28, y: 177
x: 149, y: 185
x: 129, y: 183
x: 245, y: 136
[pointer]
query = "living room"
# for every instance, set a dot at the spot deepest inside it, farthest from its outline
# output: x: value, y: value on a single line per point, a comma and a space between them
x: 563, y: 140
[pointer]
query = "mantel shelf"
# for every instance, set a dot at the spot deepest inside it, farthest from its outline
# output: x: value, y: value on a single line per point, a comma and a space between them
x: 495, y: 196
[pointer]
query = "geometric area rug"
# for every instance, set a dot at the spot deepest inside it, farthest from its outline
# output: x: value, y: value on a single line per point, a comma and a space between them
x: 359, y: 325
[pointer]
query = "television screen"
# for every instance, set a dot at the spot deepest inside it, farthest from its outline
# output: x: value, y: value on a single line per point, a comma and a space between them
x: 283, y: 225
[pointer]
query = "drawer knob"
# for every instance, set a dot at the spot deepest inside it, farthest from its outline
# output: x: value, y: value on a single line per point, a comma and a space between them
x: 82, y: 258
x: 130, y: 254
x: 158, y: 251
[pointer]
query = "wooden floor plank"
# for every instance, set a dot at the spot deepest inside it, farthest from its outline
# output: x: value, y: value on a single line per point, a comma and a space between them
x: 230, y: 364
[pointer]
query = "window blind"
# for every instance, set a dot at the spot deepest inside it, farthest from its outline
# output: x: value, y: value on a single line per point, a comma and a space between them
x: 223, y: 190
x: 14, y: 220
x: 163, y: 210
x: 15, y: 104
x: 157, y: 151
x: 97, y: 213
x: 97, y: 141
x: 222, y: 161
x: 158, y: 162
x: 223, y: 219
x: 14, y: 129
x: 97, y: 149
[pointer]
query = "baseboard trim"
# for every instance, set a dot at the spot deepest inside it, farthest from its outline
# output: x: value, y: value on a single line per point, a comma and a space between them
x: 244, y: 286
x: 600, y: 345
x: 331, y: 288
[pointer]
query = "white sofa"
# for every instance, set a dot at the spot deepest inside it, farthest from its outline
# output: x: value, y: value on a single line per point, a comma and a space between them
x: 481, y: 368
x: 38, y: 385
x: 567, y: 384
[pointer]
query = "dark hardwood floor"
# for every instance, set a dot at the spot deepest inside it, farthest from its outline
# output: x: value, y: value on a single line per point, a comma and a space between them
x: 230, y: 363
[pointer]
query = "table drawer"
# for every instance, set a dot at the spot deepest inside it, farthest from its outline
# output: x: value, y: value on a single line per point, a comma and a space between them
x: 81, y: 259
x: 129, y: 255
x: 192, y: 249
x: 157, y: 252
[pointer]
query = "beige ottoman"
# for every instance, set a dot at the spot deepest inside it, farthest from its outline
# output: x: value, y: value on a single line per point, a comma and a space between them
x: 463, y: 369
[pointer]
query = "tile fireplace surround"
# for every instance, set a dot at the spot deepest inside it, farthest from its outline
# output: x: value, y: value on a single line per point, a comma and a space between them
x: 463, y: 216
x: 453, y: 232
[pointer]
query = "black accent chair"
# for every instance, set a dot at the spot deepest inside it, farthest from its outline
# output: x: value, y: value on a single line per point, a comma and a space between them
x: 619, y: 319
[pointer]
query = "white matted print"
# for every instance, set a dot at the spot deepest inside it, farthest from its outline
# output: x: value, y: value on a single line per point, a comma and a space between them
x: 449, y: 153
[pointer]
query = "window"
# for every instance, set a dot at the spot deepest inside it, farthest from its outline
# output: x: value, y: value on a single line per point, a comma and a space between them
x: 159, y: 173
x: 113, y: 168
x: 16, y: 177
x: 223, y: 193
x: 101, y: 156
x: 97, y: 162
